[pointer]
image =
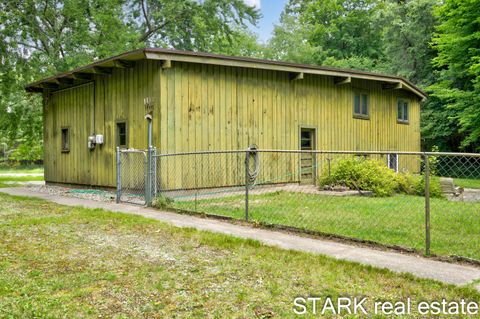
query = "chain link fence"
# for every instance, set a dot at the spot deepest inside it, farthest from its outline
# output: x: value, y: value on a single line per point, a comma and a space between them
x: 424, y: 202
x: 131, y: 176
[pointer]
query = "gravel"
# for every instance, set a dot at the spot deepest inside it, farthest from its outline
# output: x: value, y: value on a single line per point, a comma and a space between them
x: 93, y: 194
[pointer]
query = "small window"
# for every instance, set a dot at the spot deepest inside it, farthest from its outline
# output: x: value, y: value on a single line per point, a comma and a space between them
x: 306, y: 139
x: 65, y: 140
x: 360, y: 105
x: 392, y: 161
x: 402, y: 111
x: 122, y: 134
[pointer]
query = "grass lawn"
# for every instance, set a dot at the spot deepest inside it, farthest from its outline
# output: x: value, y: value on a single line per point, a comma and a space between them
x: 397, y: 220
x: 59, y: 261
x: 35, y: 169
x: 467, y: 182
x: 20, y: 178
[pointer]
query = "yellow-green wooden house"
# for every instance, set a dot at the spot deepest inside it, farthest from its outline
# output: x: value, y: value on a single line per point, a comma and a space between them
x: 213, y: 102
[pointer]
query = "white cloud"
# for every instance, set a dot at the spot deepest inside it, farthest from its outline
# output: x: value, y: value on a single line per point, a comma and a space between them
x: 253, y: 3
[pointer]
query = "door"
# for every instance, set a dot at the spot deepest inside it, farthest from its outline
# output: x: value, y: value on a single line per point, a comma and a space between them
x: 307, y: 160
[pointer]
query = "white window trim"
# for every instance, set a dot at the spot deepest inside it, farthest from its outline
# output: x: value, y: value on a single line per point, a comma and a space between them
x: 396, y: 162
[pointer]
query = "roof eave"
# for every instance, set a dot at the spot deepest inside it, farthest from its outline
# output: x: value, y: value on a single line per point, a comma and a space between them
x: 100, y: 67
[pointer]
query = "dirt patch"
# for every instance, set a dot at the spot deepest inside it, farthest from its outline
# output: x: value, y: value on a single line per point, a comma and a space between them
x: 93, y: 194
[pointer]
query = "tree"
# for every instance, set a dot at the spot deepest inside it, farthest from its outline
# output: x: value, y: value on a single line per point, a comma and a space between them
x: 342, y: 29
x: 342, y: 33
x: 290, y: 41
x: 408, y: 27
x: 457, y: 42
x: 44, y: 37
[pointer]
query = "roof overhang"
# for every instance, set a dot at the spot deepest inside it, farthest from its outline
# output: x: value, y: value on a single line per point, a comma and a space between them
x: 128, y: 59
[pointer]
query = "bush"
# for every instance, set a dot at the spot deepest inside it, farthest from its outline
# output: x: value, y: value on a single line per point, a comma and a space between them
x: 435, y: 188
x: 162, y: 202
x: 373, y: 175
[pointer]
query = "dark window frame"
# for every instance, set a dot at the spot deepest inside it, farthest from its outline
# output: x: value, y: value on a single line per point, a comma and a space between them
x: 117, y: 133
x: 65, y: 139
x: 363, y: 109
x: 313, y: 139
x: 403, y: 111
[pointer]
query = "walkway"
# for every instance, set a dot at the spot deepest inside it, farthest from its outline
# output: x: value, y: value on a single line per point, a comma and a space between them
x: 397, y: 262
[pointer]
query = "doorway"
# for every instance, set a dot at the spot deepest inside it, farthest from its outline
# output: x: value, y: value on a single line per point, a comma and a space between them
x: 307, y: 160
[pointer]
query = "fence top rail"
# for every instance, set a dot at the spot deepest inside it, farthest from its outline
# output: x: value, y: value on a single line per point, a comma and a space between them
x: 324, y: 152
x: 371, y: 152
x: 201, y: 153
x: 131, y: 150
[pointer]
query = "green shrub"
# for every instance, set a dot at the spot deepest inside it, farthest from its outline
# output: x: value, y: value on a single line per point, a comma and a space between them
x: 435, y: 188
x: 363, y: 174
x: 373, y: 175
x: 162, y: 202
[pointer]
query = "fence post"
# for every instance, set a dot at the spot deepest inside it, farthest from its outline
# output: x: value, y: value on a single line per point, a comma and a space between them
x: 119, y: 177
x: 148, y: 178
x: 427, y: 205
x: 247, y: 181
x: 154, y: 172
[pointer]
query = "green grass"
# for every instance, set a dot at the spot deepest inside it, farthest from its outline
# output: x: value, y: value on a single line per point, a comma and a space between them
x: 20, y: 178
x: 467, y: 183
x: 397, y: 220
x: 34, y: 169
x: 2, y: 185
x: 73, y: 262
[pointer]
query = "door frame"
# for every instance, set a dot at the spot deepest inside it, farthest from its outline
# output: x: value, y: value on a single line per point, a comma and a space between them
x: 314, y: 147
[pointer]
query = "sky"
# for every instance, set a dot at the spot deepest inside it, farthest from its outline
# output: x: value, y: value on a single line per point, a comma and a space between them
x: 270, y: 10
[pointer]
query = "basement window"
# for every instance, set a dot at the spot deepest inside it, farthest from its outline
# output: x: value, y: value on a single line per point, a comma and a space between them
x: 65, y: 140
x: 392, y: 161
x: 402, y: 111
x: 122, y: 134
x: 360, y: 105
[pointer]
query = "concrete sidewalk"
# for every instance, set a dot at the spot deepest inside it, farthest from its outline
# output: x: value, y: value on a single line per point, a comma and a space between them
x: 397, y: 262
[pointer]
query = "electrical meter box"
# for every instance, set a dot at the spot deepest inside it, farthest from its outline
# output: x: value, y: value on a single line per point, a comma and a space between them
x: 99, y: 139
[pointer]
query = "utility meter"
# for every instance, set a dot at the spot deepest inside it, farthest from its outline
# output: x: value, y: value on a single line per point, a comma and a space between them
x: 99, y: 139
x: 91, y: 142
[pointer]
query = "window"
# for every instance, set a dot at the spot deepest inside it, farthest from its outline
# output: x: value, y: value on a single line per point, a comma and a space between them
x: 306, y: 139
x: 402, y: 111
x: 307, y: 160
x: 360, y: 105
x: 65, y: 140
x: 122, y: 134
x: 392, y: 161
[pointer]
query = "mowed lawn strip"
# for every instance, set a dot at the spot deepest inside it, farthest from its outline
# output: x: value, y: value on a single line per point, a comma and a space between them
x: 72, y: 262
x: 22, y: 170
x: 467, y: 183
x: 397, y: 220
x: 21, y: 178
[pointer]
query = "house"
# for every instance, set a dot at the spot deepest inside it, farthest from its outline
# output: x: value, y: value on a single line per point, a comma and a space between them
x: 214, y: 102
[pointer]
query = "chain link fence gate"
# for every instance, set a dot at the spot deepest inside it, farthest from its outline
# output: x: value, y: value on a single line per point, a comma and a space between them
x: 135, y: 174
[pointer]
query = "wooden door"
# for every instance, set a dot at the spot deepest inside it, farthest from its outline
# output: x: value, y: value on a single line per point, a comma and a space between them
x: 307, y: 160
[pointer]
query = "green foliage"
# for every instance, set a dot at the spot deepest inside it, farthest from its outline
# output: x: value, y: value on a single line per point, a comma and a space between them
x: 407, y: 28
x: 363, y: 174
x: 440, y: 126
x: 162, y: 202
x: 457, y: 42
x: 289, y: 41
x: 435, y: 188
x: 433, y: 161
x: 42, y: 38
x: 374, y: 175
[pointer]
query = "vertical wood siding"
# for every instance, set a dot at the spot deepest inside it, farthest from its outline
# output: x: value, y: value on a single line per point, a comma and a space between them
x: 206, y: 107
